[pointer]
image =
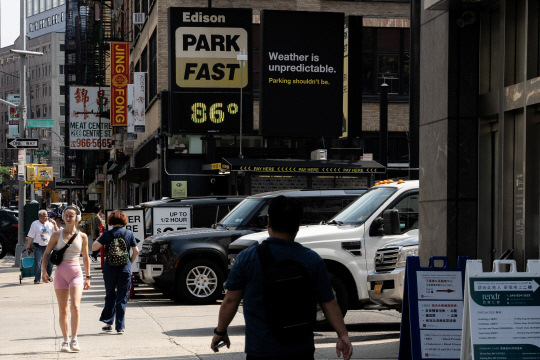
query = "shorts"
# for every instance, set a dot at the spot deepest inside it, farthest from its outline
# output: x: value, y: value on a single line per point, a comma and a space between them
x: 68, y: 274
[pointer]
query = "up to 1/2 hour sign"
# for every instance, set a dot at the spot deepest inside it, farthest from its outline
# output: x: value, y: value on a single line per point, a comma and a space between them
x: 170, y: 219
x: 206, y: 57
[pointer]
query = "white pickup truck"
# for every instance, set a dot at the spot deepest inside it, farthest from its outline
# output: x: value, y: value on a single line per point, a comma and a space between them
x: 348, y: 242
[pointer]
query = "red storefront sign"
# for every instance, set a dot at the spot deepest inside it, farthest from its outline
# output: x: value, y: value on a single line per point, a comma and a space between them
x: 119, y: 82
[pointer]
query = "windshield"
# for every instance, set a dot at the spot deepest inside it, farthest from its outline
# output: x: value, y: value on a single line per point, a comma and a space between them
x: 360, y: 210
x: 240, y: 213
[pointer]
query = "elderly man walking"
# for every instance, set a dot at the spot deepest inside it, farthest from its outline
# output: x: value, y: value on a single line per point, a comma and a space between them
x: 39, y: 234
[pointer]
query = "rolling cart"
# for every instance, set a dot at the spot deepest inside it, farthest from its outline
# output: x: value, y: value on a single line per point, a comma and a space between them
x: 27, y: 267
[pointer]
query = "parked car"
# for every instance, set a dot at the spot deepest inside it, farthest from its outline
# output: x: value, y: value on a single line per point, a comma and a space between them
x: 386, y: 283
x: 191, y: 265
x: 9, y: 227
x: 348, y: 242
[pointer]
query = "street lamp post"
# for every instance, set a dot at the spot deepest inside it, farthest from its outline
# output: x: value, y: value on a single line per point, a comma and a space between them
x: 23, y: 53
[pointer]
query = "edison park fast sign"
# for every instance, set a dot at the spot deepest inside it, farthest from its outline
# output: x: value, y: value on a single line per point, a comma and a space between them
x: 206, y: 78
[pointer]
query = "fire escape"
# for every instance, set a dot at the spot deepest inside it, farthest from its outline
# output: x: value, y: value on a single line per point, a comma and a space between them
x: 91, y: 26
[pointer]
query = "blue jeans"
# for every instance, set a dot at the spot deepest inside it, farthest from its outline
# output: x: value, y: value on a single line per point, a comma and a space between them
x: 38, y: 257
x: 117, y: 286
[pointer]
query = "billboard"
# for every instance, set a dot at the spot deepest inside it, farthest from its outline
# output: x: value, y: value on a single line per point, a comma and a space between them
x: 211, y: 90
x: 301, y: 73
x: 87, y: 131
x: 136, y: 106
x: 119, y: 82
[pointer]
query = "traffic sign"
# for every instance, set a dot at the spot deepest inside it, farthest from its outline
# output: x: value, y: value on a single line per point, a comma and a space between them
x: 22, y: 143
x: 41, y: 152
x: 41, y: 123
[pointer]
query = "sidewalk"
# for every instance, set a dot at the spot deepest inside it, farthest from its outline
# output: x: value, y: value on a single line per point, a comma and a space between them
x: 156, y: 328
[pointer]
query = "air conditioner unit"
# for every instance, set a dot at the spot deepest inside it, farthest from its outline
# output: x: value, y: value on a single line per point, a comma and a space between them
x: 139, y: 18
x: 319, y: 154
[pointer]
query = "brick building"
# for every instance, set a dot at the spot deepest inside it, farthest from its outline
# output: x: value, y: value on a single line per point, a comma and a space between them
x: 146, y: 167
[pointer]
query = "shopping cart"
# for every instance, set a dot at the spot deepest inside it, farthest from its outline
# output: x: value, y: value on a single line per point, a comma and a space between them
x: 27, y: 266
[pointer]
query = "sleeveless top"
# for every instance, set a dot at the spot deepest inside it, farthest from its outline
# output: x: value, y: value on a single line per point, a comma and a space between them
x: 73, y: 252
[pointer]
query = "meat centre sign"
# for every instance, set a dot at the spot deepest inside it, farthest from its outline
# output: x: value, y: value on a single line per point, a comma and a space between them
x: 119, y: 83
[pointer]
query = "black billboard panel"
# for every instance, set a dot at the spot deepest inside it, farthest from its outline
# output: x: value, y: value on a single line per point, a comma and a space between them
x: 206, y: 78
x: 301, y: 73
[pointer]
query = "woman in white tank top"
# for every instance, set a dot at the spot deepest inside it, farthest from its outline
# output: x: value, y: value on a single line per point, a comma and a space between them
x: 68, y: 278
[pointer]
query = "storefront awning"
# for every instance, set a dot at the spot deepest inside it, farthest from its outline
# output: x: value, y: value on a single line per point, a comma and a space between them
x: 115, y: 168
x: 341, y: 167
x: 135, y: 175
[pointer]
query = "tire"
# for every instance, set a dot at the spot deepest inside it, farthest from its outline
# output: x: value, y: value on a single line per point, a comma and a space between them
x: 342, y: 298
x: 3, y: 248
x: 199, y: 282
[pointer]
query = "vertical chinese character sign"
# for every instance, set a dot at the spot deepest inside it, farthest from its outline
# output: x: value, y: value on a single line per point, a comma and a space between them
x: 119, y: 82
x: 136, y: 106
x: 87, y: 130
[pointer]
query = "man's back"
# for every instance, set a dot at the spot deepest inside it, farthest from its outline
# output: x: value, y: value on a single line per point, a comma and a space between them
x: 247, y: 274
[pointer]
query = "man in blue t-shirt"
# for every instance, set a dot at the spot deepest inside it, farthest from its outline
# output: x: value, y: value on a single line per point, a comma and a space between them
x: 245, y: 281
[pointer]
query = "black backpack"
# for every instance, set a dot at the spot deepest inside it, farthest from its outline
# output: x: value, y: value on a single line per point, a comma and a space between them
x: 118, y: 253
x: 289, y: 296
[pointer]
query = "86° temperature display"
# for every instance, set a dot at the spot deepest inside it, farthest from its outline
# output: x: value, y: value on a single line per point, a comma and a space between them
x: 208, y: 113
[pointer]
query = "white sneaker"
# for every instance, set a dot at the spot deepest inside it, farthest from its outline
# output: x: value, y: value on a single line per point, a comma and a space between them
x: 64, y: 347
x: 75, y: 345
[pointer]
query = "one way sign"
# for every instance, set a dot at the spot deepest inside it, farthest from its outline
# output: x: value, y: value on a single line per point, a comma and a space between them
x: 22, y: 143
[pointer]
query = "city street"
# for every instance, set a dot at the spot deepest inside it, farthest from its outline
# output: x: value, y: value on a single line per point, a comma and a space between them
x: 156, y: 327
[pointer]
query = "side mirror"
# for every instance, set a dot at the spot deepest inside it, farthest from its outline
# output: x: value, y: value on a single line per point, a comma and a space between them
x: 389, y: 223
x: 260, y: 222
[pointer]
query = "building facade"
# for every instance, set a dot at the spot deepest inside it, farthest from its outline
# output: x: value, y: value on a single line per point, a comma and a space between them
x: 478, y: 128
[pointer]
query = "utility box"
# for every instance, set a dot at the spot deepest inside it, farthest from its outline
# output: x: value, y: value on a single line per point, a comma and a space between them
x: 30, y: 215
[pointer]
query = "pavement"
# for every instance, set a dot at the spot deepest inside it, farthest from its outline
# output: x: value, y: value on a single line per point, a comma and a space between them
x: 156, y: 327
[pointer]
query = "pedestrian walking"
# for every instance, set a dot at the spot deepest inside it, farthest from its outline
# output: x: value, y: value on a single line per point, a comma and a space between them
x: 116, y: 270
x: 250, y: 279
x: 39, y: 235
x: 95, y: 222
x: 68, y: 279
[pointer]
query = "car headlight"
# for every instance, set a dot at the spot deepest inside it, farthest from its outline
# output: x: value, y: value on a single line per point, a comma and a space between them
x: 160, y: 248
x: 406, y: 251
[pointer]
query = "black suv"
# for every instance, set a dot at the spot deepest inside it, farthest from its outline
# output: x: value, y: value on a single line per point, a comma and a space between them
x: 191, y: 265
x: 205, y: 211
x: 9, y: 227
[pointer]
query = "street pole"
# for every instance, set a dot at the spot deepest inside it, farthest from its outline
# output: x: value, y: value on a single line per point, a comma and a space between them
x: 242, y: 58
x: 383, y: 127
x: 22, y: 123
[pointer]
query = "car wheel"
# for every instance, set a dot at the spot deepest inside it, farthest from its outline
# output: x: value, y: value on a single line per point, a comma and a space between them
x: 3, y: 248
x: 200, y: 282
x: 342, y: 297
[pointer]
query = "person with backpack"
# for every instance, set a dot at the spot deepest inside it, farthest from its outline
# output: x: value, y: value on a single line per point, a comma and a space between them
x: 280, y: 282
x: 116, y: 270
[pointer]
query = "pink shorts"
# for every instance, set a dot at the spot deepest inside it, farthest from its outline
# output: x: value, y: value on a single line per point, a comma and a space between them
x: 68, y: 274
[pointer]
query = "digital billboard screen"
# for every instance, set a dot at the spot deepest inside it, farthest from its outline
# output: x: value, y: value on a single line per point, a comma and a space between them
x: 207, y: 82
x: 301, y: 73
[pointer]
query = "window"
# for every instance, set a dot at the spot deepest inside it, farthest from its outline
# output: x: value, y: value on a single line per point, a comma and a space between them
x: 49, y: 21
x: 408, y: 212
x: 44, y: 111
x: 29, y: 8
x: 31, y: 27
x: 152, y: 86
x: 45, y: 71
x: 62, y: 47
x: 385, y: 58
x: 61, y: 70
x: 38, y: 92
x: 38, y: 112
x: 38, y: 72
x: 62, y: 109
x: 44, y: 91
x: 62, y: 90
x: 62, y: 16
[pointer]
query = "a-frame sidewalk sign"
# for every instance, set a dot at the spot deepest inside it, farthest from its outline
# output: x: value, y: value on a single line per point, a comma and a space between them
x: 432, y: 310
x: 501, y: 319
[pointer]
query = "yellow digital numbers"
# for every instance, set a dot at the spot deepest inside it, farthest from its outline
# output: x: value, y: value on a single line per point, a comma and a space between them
x: 216, y: 113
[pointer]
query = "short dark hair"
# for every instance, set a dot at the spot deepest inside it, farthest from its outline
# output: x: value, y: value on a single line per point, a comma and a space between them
x: 285, y: 214
x: 97, y: 208
x: 117, y: 217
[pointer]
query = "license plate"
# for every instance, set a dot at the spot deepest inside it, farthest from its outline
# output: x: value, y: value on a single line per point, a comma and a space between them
x: 378, y: 288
